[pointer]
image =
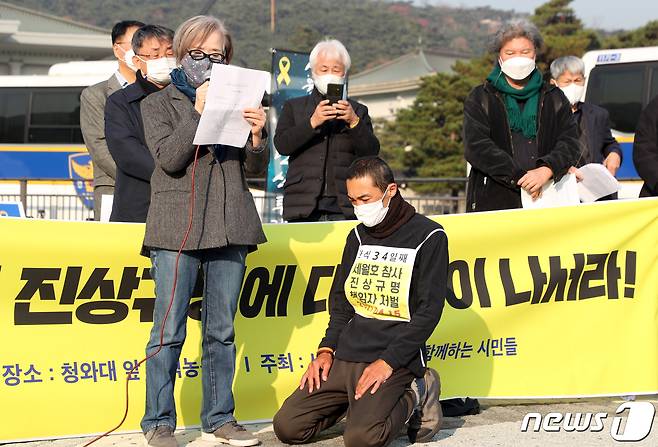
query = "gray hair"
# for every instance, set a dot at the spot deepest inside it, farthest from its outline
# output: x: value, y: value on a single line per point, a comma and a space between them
x: 195, y: 31
x: 514, y: 29
x: 571, y: 64
x: 330, y: 47
x: 161, y: 33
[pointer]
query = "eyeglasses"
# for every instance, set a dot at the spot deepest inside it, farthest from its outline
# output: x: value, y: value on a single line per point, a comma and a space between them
x: 169, y: 53
x: 216, y: 58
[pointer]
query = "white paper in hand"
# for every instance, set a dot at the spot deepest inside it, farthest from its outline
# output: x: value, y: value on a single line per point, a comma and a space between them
x: 562, y: 193
x: 232, y: 89
x: 597, y: 182
x: 107, y: 200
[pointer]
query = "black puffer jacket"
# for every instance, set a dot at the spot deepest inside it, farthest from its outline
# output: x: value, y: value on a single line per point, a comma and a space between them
x: 310, y: 148
x: 645, y: 149
x: 492, y: 183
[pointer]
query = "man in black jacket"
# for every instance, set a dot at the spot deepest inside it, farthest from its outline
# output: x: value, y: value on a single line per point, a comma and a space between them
x: 645, y: 149
x: 322, y: 140
x: 124, y: 130
x: 597, y: 145
x: 385, y: 302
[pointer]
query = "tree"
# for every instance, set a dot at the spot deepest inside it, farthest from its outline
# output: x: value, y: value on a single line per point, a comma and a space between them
x: 646, y: 36
x: 562, y: 31
x: 304, y: 38
x: 372, y: 30
x: 425, y: 140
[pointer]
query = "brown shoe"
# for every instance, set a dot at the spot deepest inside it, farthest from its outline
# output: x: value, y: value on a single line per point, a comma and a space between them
x: 426, y: 420
x: 161, y: 436
x: 231, y: 433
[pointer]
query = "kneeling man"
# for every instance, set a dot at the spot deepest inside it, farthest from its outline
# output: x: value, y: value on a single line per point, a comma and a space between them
x: 384, y: 304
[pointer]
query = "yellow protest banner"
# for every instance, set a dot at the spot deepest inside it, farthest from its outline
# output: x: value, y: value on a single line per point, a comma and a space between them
x: 546, y: 303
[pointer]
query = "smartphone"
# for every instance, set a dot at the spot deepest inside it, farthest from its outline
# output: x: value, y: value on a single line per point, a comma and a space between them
x: 335, y: 93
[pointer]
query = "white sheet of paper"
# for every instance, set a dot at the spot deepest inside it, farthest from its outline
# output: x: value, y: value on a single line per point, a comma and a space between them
x: 106, y: 207
x: 597, y: 182
x: 562, y: 193
x: 232, y: 89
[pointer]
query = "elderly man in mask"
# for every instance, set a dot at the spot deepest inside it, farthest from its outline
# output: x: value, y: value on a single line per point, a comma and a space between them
x: 597, y: 145
x: 323, y: 135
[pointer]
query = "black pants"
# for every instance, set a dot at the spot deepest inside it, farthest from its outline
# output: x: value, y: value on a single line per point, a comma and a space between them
x: 320, y: 216
x: 372, y: 421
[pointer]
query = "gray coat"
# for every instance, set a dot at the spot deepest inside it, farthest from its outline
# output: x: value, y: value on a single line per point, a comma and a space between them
x: 224, y: 210
x: 92, y: 125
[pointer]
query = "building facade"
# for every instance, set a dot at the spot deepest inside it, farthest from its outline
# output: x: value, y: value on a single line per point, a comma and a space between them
x: 394, y: 85
x: 32, y: 41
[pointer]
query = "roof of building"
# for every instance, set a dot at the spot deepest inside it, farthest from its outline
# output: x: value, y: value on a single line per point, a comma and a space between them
x: 25, y: 32
x: 409, y: 66
x: 39, y: 22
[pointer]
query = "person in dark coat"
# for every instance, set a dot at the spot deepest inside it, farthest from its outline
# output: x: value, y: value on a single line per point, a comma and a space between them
x: 597, y: 145
x: 645, y: 149
x: 124, y: 130
x: 92, y: 106
x: 519, y: 133
x: 322, y: 140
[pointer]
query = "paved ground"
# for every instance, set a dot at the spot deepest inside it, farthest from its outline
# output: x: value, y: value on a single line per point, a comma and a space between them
x: 499, y: 424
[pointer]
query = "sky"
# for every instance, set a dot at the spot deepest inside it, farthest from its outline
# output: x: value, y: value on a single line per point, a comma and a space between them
x: 605, y: 14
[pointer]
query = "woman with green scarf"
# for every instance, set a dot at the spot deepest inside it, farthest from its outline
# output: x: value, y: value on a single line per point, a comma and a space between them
x: 519, y: 132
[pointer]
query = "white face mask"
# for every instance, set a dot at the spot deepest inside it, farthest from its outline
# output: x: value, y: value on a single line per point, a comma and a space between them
x: 371, y: 214
x: 573, y: 92
x: 322, y: 81
x: 158, y: 70
x: 518, y: 67
x: 128, y: 58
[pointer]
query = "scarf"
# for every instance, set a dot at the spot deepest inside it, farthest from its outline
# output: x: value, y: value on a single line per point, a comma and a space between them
x: 399, y: 213
x: 526, y: 121
x: 179, y: 79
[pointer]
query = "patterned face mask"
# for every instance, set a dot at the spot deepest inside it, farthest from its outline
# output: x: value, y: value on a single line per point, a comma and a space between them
x: 197, y: 72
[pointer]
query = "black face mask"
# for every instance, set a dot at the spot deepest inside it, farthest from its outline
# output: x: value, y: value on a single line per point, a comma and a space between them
x: 197, y: 72
x: 147, y: 86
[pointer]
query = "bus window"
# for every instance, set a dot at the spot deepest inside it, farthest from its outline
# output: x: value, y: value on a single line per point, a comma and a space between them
x: 55, y: 117
x: 618, y: 89
x: 654, y: 84
x: 13, y: 110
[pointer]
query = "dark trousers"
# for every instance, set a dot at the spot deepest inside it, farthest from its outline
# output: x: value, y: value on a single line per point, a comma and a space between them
x: 320, y: 216
x: 372, y: 421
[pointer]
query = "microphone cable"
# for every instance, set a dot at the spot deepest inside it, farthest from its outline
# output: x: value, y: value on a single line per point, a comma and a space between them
x: 171, y: 302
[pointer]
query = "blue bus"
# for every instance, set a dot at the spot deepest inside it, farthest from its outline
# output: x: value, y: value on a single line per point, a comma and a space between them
x: 40, y: 137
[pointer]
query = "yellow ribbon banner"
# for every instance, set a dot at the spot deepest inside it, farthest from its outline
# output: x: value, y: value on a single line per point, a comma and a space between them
x: 284, y: 68
x: 546, y: 303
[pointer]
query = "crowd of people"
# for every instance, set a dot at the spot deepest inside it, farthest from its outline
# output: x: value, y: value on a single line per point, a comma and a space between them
x: 520, y: 133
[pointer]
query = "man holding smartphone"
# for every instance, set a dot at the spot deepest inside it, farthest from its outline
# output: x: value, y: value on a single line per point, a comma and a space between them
x: 323, y: 133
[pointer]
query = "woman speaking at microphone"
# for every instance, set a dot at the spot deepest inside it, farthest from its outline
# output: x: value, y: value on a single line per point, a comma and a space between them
x: 210, y: 182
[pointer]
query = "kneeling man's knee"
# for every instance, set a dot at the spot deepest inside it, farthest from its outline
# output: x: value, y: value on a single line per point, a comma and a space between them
x: 360, y: 436
x: 288, y: 431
